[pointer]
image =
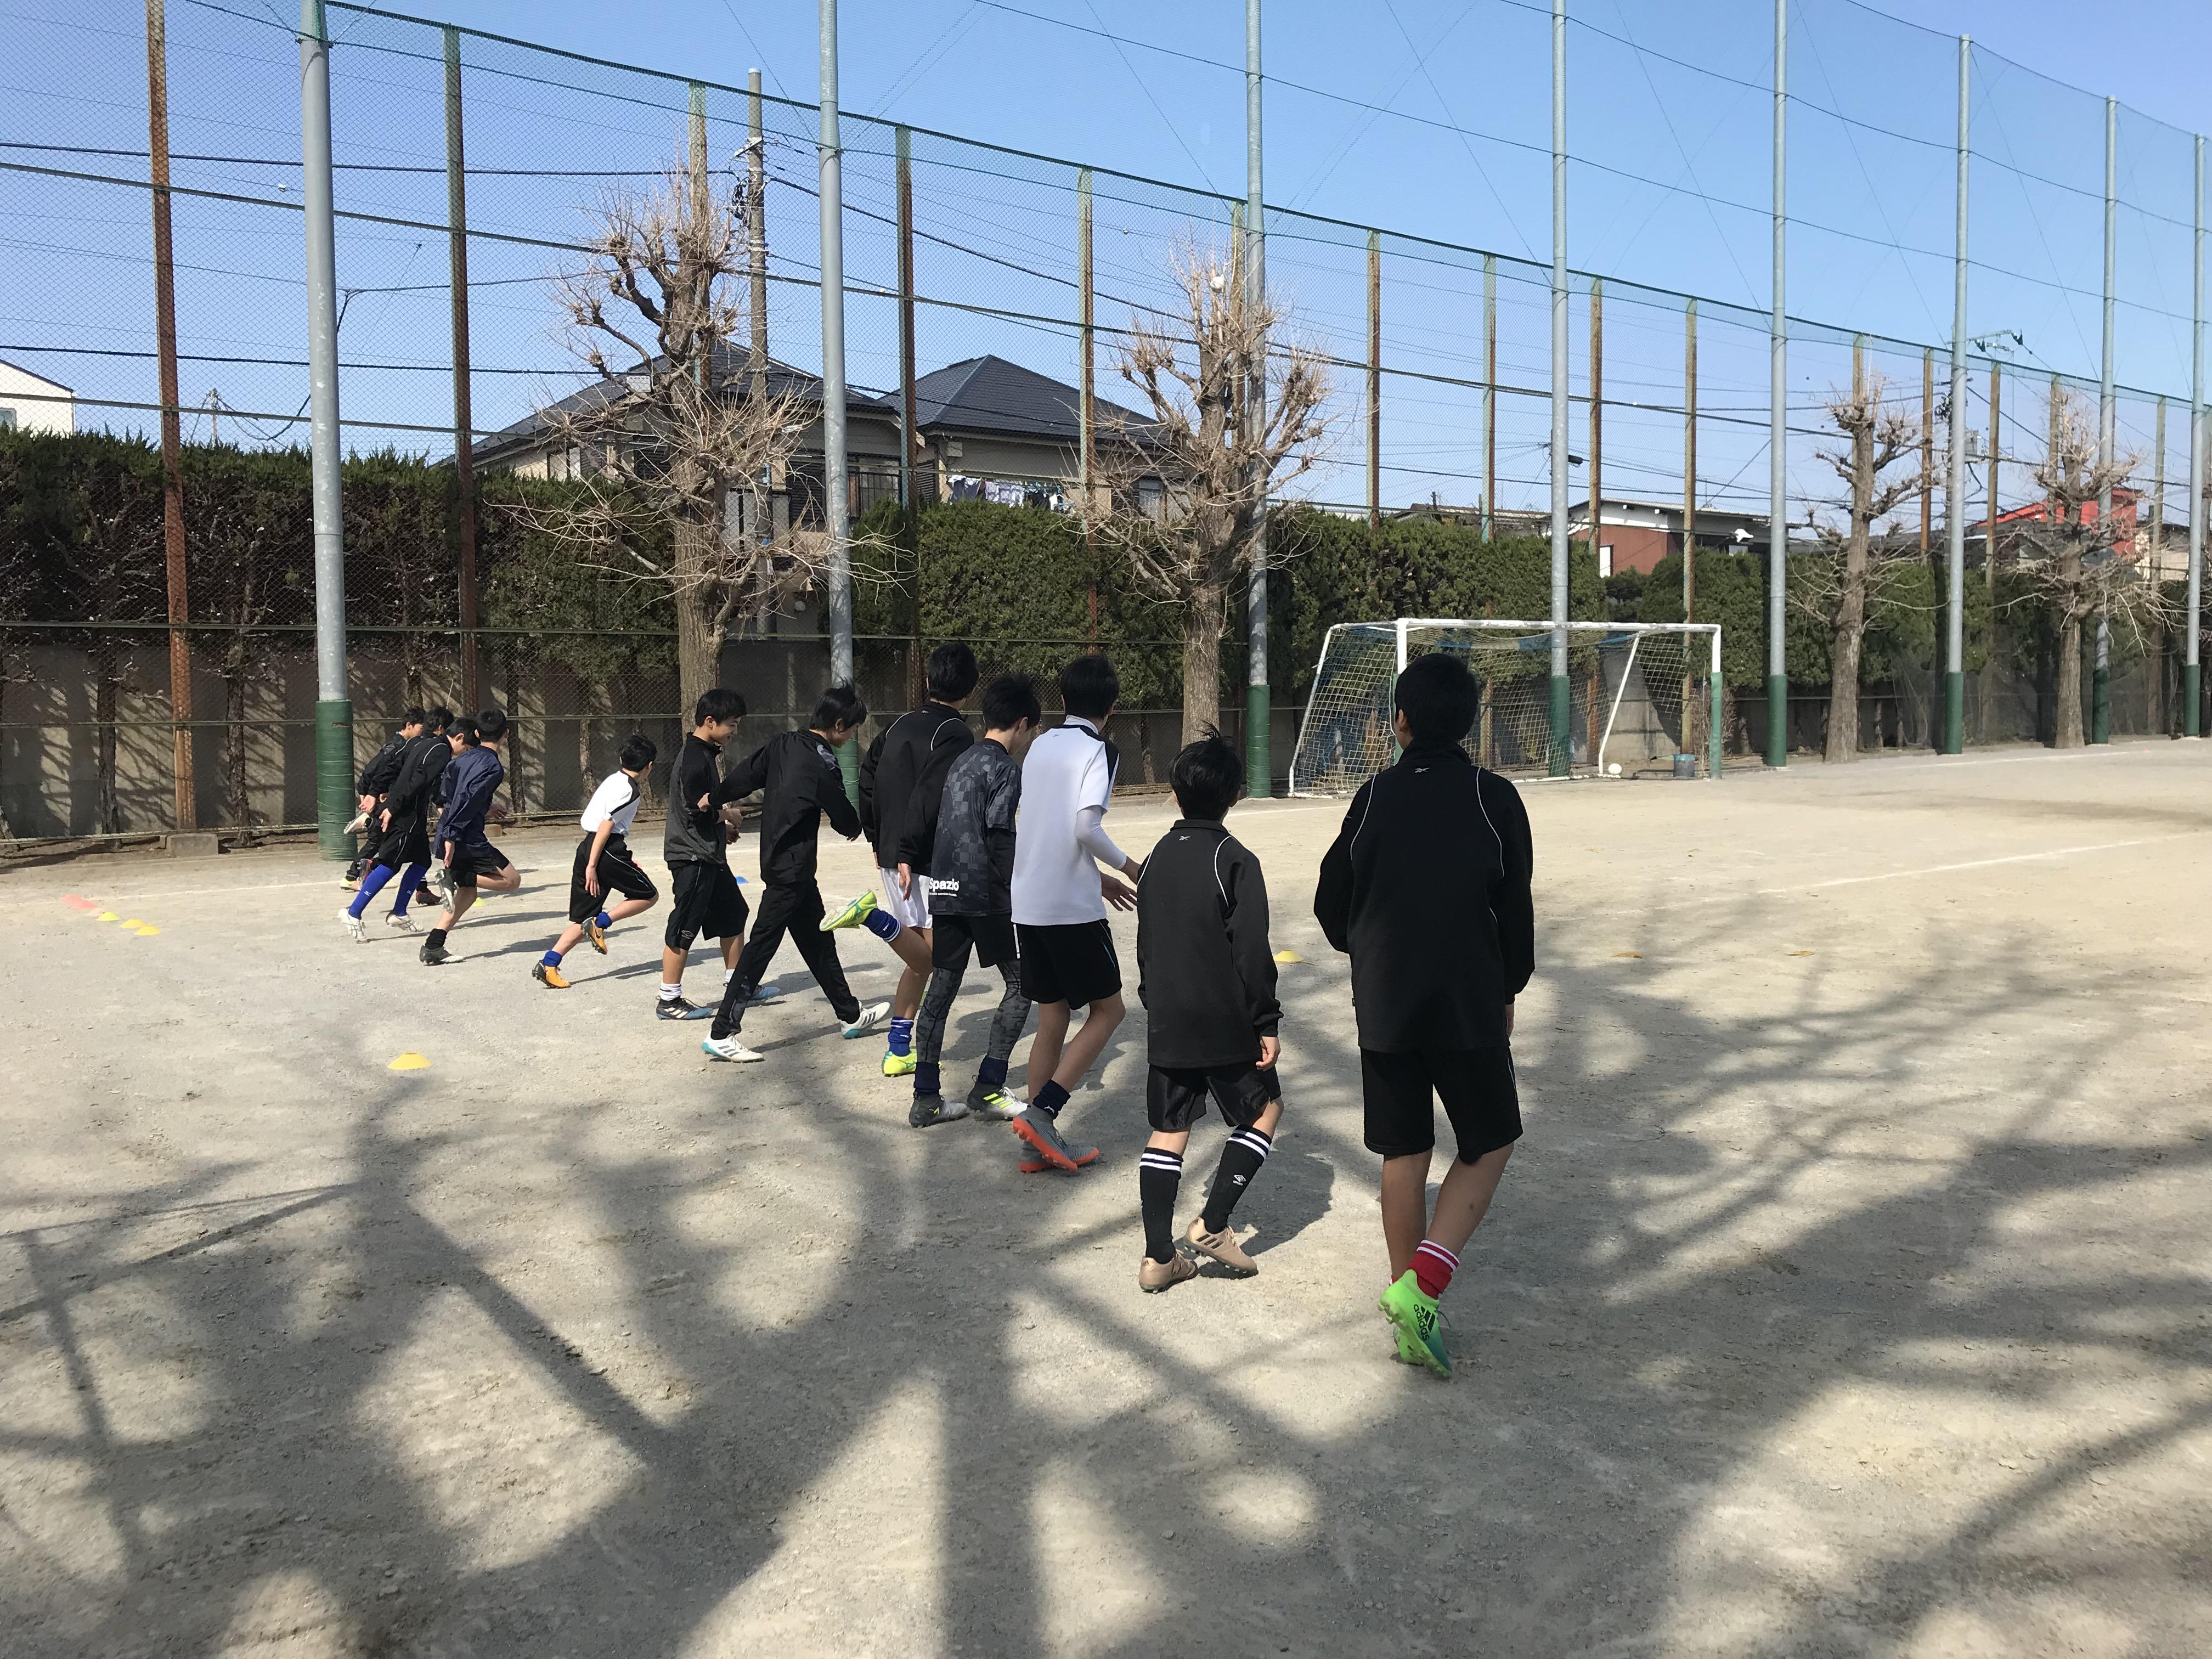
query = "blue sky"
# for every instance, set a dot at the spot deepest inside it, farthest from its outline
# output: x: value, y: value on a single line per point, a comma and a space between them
x: 1428, y: 119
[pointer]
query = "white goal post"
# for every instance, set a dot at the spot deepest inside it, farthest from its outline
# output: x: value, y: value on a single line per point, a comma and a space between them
x: 1638, y: 694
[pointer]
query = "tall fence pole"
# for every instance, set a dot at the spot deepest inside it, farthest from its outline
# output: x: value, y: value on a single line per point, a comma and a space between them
x: 185, y: 810
x: 334, y: 778
x: 1990, y: 546
x: 1777, y: 435
x: 1597, y: 491
x: 1087, y: 398
x: 2192, y: 673
x: 1374, y: 379
x: 2101, y: 679
x: 457, y: 262
x: 1489, y: 392
x: 838, y: 507
x: 2154, y: 682
x: 1955, y: 482
x: 1690, y: 515
x: 1258, y: 772
x: 1562, y: 754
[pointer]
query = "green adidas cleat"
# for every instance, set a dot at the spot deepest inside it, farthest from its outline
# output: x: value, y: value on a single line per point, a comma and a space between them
x: 1414, y: 1317
x: 852, y: 914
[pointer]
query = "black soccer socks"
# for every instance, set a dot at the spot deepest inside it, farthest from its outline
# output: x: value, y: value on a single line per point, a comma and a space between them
x: 1240, y: 1161
x: 1159, y: 1174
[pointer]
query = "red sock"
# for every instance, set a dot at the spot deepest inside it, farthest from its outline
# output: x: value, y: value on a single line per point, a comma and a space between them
x: 1432, y: 1268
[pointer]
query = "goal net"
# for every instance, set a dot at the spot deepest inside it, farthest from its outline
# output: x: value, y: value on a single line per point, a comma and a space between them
x: 1642, y: 699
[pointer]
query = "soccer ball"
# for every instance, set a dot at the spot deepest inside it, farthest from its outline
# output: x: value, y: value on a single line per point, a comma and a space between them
x: 1613, y: 770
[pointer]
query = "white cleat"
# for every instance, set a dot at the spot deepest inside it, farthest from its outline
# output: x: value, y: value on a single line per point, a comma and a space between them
x: 357, y: 929
x: 871, y: 1016
x: 402, y: 923
x: 729, y: 1048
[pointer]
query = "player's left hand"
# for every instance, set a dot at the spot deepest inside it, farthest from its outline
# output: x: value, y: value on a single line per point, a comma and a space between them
x: 1271, y: 1049
x: 1117, y: 894
x: 906, y: 880
x: 591, y: 879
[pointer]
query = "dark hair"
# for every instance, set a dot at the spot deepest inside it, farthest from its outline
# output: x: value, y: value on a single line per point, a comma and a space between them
x: 1208, y: 777
x: 411, y: 717
x: 1009, y: 699
x: 1089, y: 686
x: 440, y: 717
x: 638, y: 752
x: 491, y: 725
x: 840, y: 705
x: 463, y: 727
x: 1437, y: 696
x: 951, y: 671
x: 720, y: 704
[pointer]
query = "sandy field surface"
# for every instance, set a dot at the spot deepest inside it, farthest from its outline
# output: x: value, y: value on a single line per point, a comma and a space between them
x: 1847, y: 1295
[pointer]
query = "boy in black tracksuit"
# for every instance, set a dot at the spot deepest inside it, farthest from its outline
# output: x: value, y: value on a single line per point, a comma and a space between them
x: 1207, y: 978
x: 375, y: 782
x: 399, y: 830
x: 705, y: 897
x: 799, y: 776
x: 1427, y: 888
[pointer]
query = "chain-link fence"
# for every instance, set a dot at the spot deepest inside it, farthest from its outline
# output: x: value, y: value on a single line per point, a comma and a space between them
x: 988, y: 294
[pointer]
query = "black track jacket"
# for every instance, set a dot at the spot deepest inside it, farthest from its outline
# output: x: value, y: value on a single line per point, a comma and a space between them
x: 902, y: 776
x: 693, y: 834
x: 1427, y: 887
x: 416, y: 785
x: 1204, y: 971
x: 799, y: 773
x: 383, y: 768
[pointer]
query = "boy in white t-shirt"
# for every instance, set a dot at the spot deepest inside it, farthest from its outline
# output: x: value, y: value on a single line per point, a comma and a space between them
x: 1060, y: 898
x: 605, y: 863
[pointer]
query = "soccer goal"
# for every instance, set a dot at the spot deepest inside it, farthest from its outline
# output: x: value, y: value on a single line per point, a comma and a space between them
x: 1644, y: 699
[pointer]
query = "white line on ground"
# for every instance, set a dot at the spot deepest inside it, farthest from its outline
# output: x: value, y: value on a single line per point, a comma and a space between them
x: 1982, y: 864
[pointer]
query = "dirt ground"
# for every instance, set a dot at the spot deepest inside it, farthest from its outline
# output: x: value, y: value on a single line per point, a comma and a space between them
x: 1848, y: 1295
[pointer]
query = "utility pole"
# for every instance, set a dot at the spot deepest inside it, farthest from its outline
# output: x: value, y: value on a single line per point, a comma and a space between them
x: 1989, y: 547
x: 837, y: 506
x: 910, y: 525
x: 1927, y: 449
x: 1258, y: 709
x: 2191, y: 681
x: 1955, y: 486
x: 457, y: 262
x: 1489, y: 392
x: 1597, y: 415
x: 757, y: 299
x: 2100, y: 681
x: 1689, y: 496
x: 184, y: 813
x: 334, y: 776
x: 2156, y: 680
x: 1374, y: 379
x: 1562, y: 754
x: 1087, y: 400
x: 1778, y: 435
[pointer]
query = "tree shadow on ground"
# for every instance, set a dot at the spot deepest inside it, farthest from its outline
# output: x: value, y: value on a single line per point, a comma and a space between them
x: 1714, y: 1233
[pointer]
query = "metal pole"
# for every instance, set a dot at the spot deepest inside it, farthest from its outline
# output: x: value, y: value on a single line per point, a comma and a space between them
x: 1713, y: 696
x: 838, y: 506
x: 1955, y: 484
x: 1777, y: 433
x: 1597, y: 492
x: 1562, y: 756
x: 1989, y: 539
x: 334, y: 780
x: 457, y: 262
x: 1690, y: 510
x: 1489, y: 392
x: 185, y: 810
x: 1374, y: 379
x: 2192, y: 680
x: 910, y: 526
x: 1258, y: 772
x: 2100, y: 682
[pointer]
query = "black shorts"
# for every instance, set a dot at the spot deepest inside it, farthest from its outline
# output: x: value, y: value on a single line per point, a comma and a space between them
x: 992, y: 938
x: 618, y: 873
x: 707, y: 902
x: 1074, y: 964
x: 406, y: 842
x: 1475, y: 1084
x: 475, y: 858
x: 1174, y: 1098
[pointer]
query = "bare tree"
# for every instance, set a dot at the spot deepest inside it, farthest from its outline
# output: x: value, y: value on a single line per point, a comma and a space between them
x: 1862, y: 556
x: 662, y: 292
x: 2082, y: 566
x: 1192, y: 542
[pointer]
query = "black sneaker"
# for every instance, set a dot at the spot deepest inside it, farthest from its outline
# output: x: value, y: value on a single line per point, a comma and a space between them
x: 679, y: 1008
x: 929, y: 1110
x: 434, y: 953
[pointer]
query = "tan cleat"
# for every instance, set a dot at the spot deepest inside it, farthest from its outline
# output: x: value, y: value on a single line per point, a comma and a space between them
x: 1153, y: 1276
x: 1221, y: 1246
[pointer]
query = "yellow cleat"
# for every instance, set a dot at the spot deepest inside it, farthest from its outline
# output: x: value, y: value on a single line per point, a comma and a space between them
x: 899, y: 1064
x: 549, y: 978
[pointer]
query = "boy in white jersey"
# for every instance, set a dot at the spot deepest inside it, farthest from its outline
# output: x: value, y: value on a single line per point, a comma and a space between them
x: 605, y: 864
x: 1060, y: 896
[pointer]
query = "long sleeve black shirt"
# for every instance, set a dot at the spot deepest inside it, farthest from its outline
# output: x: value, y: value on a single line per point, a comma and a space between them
x: 1205, y: 973
x: 903, y: 775
x: 693, y: 834
x: 376, y: 777
x: 797, y: 774
x: 1427, y: 888
x: 420, y: 769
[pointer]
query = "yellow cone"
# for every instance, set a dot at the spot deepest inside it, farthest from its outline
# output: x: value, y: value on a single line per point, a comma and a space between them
x: 107, y: 915
x: 1288, y: 956
x: 409, y: 1061
x: 148, y: 932
x: 134, y: 922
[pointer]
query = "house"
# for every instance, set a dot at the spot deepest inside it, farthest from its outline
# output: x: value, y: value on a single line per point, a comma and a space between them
x: 2169, y: 562
x: 1635, y: 535
x: 985, y: 427
x: 31, y: 403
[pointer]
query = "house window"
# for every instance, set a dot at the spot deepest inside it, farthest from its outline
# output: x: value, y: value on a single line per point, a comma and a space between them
x: 1151, y: 498
x: 7, y: 418
x: 1605, y: 558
